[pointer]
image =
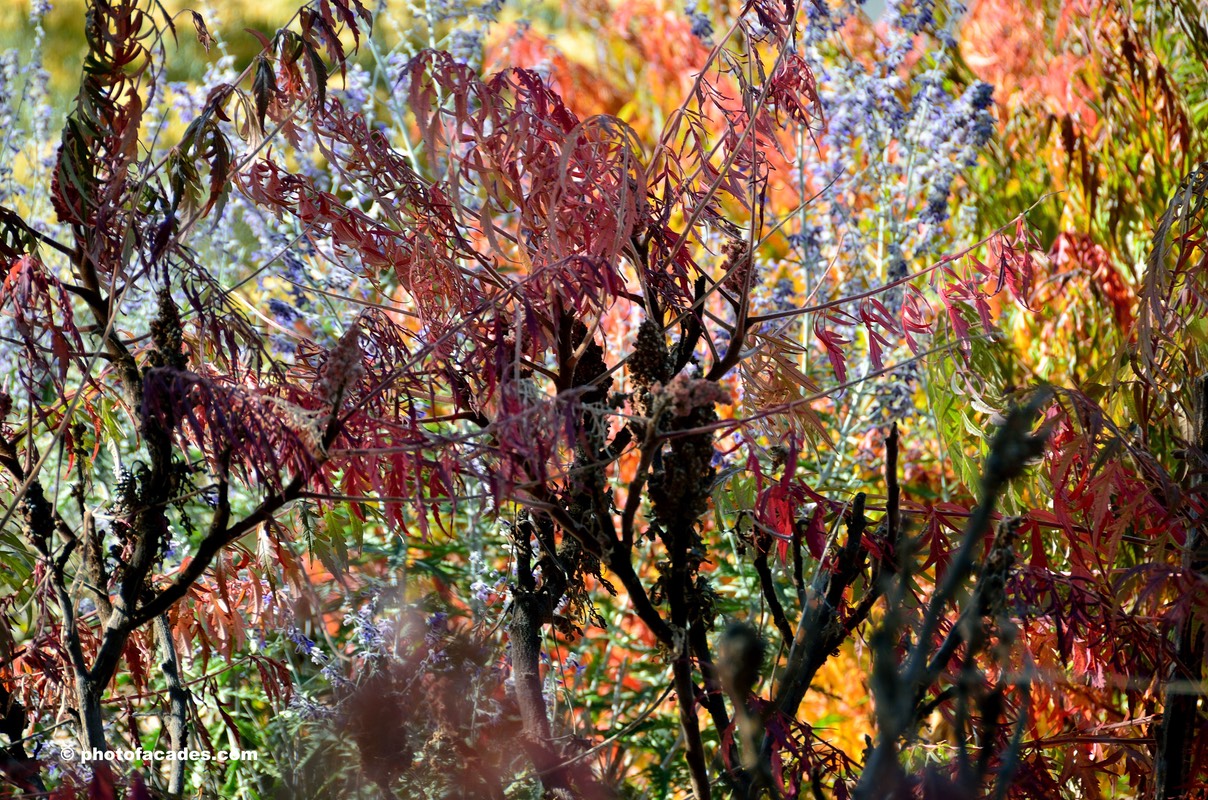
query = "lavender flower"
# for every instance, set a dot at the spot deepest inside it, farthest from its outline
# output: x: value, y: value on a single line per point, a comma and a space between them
x: 968, y: 126
x: 702, y: 26
x: 356, y: 91
x: 370, y: 635
x: 283, y: 312
x: 303, y: 643
x: 481, y: 592
x: 331, y: 671
x: 465, y: 46
x: 308, y: 709
x: 490, y: 9
x: 934, y: 137
x: 9, y: 92
x: 438, y: 624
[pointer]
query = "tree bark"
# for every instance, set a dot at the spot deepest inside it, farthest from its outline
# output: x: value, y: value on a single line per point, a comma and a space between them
x: 177, y: 721
x: 92, y: 721
x: 1173, y: 765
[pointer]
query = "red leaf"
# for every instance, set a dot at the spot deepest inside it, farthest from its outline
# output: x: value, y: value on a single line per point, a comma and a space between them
x: 815, y: 533
x: 776, y: 512
x: 832, y: 342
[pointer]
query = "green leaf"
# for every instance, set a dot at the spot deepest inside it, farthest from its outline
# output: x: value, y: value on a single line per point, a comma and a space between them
x: 263, y: 88
x: 334, y: 550
x: 357, y: 527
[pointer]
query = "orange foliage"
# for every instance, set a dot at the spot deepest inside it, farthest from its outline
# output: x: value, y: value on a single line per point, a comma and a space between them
x: 1009, y: 44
